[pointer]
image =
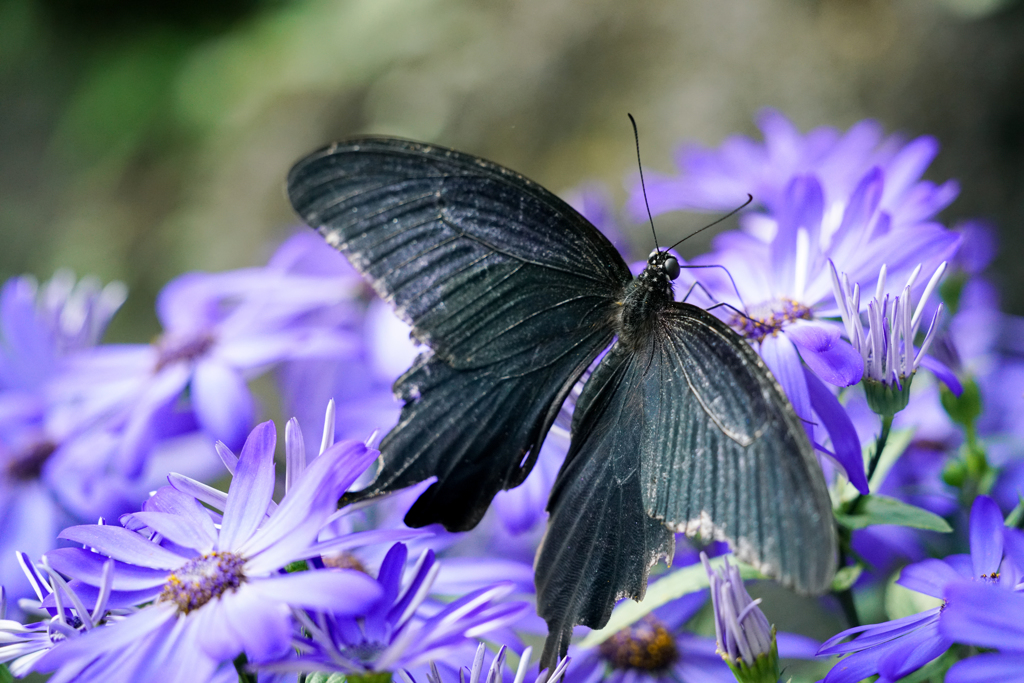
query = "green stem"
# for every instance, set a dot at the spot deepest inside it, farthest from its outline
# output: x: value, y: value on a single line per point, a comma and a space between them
x: 880, y: 442
x: 845, y: 597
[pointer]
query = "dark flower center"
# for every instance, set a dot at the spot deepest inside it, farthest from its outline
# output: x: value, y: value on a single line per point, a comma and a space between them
x: 780, y: 313
x: 202, y: 579
x: 28, y: 465
x: 174, y: 350
x: 646, y: 645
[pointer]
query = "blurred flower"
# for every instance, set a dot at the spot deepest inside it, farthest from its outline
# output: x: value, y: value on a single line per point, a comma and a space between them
x: 898, y: 648
x: 216, y: 591
x: 399, y: 630
x: 986, y: 616
x: 744, y: 638
x: 495, y: 673
x: 219, y: 329
x: 43, y: 473
x: 887, y: 345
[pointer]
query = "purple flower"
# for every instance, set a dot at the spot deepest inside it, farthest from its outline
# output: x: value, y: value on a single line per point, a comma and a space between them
x: 897, y: 648
x: 401, y: 629
x: 496, y: 672
x: 219, y: 330
x: 987, y: 616
x: 216, y: 591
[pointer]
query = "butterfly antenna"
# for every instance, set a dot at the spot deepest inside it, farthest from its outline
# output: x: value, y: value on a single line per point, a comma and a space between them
x: 739, y: 208
x: 636, y: 137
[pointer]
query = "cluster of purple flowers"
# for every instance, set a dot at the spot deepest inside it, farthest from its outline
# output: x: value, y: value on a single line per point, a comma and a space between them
x: 839, y: 276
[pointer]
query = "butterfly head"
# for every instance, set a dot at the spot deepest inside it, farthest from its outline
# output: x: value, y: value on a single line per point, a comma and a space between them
x: 665, y: 263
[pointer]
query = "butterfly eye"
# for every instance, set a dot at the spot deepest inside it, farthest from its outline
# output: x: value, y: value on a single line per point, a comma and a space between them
x: 654, y: 252
x: 671, y: 268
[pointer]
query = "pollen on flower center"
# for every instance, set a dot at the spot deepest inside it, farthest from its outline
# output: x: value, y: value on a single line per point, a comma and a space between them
x: 202, y: 579
x: 174, y: 350
x: 781, y: 312
x: 646, y: 645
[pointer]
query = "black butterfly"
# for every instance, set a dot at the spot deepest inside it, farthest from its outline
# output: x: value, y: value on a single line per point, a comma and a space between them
x: 679, y: 428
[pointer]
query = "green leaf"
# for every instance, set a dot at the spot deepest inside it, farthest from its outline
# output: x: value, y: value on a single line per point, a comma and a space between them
x: 876, y: 510
x: 321, y: 677
x: 5, y: 674
x: 666, y: 589
x: 846, y: 577
x: 1015, y: 520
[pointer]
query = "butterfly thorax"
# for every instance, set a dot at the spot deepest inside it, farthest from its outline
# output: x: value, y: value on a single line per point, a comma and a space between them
x: 647, y: 294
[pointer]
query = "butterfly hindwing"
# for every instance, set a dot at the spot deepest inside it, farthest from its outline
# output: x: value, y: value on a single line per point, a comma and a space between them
x: 600, y: 543
x: 513, y: 290
x: 724, y: 455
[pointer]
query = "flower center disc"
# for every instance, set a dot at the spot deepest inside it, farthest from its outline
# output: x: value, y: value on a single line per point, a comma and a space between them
x: 777, y: 314
x: 646, y: 645
x: 202, y: 579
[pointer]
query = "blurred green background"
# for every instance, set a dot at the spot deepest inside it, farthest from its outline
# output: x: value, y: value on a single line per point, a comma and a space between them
x: 141, y: 140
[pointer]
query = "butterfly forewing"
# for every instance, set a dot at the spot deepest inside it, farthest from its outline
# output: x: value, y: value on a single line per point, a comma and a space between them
x: 514, y: 292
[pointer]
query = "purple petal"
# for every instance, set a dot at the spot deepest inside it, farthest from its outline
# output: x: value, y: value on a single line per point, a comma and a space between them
x: 781, y: 357
x: 222, y: 402
x: 874, y: 634
x: 338, y: 591
x: 215, y: 498
x: 985, y: 668
x: 118, y: 599
x: 172, y: 501
x: 1013, y: 546
x: 929, y: 577
x: 177, y: 530
x: 251, y: 488
x: 831, y: 358
x: 862, y: 204
x: 986, y: 536
x: 984, y: 615
x: 138, y: 435
x: 218, y: 641
x: 796, y: 646
x: 845, y: 441
x: 124, y: 545
x: 262, y: 627
x: 916, y: 650
x: 943, y: 373
x: 303, y: 511
x: 88, y: 567
x: 802, y: 208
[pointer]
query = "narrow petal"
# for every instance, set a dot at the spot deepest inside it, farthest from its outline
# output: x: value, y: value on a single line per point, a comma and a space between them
x: 831, y: 358
x: 222, y: 401
x: 337, y: 591
x: 985, y: 668
x: 124, y: 545
x: 986, y: 536
x: 984, y: 615
x: 845, y: 442
x: 88, y: 567
x: 251, y: 488
x: 917, y: 649
x: 177, y: 530
x: 172, y: 501
x: 781, y: 357
x: 943, y: 373
x: 929, y: 577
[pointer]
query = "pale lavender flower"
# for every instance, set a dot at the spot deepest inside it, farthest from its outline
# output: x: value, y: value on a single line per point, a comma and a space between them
x: 217, y: 591
x: 496, y: 672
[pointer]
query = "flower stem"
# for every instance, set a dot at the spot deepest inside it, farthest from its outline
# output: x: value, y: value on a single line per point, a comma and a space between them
x: 244, y: 675
x: 880, y: 442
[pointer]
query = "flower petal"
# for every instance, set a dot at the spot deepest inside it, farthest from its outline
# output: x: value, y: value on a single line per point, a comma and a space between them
x: 929, y: 577
x: 916, y: 650
x: 338, y: 591
x: 943, y: 373
x: 222, y: 402
x: 88, y: 567
x: 986, y: 536
x: 124, y: 545
x: 170, y: 500
x: 983, y: 615
x: 845, y: 441
x: 263, y: 627
x: 985, y: 668
x: 781, y: 357
x: 796, y: 646
x: 251, y: 488
x: 176, y: 529
x: 831, y: 358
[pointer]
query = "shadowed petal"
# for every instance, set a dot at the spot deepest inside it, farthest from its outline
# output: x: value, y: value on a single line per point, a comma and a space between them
x: 222, y: 402
x: 943, y: 373
x: 782, y: 359
x: 986, y: 536
x: 916, y: 650
x: 262, y: 627
x: 831, y: 358
x: 985, y: 668
x: 88, y: 567
x: 845, y: 441
x: 338, y: 591
x: 251, y: 488
x: 169, y: 499
x: 124, y: 545
x: 177, y: 530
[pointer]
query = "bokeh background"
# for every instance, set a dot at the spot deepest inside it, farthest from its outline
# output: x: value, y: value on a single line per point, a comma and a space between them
x: 141, y: 140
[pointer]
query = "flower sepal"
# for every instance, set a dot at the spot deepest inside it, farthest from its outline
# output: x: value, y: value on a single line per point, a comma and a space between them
x: 765, y: 668
x: 885, y: 398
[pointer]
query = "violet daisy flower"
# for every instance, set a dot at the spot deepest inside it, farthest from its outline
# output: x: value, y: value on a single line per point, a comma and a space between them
x: 42, y: 471
x: 897, y: 648
x: 216, y: 592
x: 400, y: 630
x: 986, y: 616
x: 220, y: 329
